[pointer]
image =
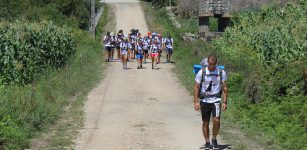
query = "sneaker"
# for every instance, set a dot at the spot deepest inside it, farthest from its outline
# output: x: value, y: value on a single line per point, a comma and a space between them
x: 138, y: 67
x: 214, y: 143
x: 207, y: 145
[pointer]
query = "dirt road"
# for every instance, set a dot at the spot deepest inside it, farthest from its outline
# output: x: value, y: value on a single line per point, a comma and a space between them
x: 139, y: 109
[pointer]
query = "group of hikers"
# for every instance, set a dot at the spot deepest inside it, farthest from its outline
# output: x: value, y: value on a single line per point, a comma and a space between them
x: 210, y: 89
x: 136, y: 46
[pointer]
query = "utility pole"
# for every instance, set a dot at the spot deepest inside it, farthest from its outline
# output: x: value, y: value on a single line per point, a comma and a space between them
x: 93, y: 17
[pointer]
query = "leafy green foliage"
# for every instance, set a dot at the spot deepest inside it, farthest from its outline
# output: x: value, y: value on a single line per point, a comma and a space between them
x: 75, y: 13
x: 265, y: 57
x: 27, y: 49
x: 67, y: 62
x: 271, y: 44
x: 278, y: 35
x: 28, y: 109
x: 11, y: 135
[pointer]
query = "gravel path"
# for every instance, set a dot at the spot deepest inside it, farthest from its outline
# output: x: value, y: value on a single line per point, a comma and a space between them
x: 139, y: 109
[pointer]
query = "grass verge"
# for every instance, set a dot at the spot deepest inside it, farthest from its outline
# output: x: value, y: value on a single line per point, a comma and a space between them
x: 66, y: 130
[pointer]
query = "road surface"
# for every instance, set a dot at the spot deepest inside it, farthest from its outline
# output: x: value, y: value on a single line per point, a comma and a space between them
x: 141, y: 109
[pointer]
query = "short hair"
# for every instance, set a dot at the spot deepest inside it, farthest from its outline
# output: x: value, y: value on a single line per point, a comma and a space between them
x: 168, y: 34
x: 212, y: 56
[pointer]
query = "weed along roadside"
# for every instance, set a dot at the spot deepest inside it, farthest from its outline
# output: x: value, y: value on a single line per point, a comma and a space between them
x: 265, y: 63
x: 43, y: 91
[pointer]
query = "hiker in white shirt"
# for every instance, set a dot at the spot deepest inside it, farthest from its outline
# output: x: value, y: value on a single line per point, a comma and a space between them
x: 210, y: 87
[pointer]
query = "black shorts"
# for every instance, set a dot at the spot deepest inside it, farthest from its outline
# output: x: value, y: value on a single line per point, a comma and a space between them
x: 210, y: 108
x: 108, y: 48
x: 169, y: 50
x: 132, y: 47
x: 117, y: 46
x: 145, y: 51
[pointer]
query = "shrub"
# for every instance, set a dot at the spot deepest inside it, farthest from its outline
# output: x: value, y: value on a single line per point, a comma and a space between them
x: 27, y: 49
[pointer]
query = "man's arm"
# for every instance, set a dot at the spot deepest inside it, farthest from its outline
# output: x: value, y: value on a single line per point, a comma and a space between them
x: 104, y: 39
x: 225, y: 94
x: 196, y: 102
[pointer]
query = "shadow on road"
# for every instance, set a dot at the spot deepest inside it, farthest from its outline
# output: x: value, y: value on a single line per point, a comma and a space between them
x: 220, y: 147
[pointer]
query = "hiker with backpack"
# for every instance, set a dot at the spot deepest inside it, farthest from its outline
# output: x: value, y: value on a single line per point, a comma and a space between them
x: 168, y: 45
x: 132, y: 40
x: 209, y: 89
x: 124, y: 47
x: 107, y: 41
x: 146, y: 47
x: 119, y: 39
x: 139, y: 56
x: 113, y: 44
x: 160, y: 41
x: 154, y: 52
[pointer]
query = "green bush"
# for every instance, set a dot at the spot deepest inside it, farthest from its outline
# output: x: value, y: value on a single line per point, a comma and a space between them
x: 271, y: 45
x: 75, y: 13
x: 31, y: 108
x: 27, y: 49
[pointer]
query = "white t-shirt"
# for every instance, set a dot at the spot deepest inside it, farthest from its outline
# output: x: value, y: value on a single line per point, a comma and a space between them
x: 211, y: 79
x: 169, y: 42
x: 125, y: 46
x: 154, y: 48
x: 107, y: 40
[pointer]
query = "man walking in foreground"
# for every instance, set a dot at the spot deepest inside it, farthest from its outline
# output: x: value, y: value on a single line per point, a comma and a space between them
x: 210, y: 86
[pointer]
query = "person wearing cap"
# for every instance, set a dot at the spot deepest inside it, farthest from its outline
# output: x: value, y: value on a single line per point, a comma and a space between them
x: 149, y: 34
x: 124, y: 47
x: 107, y: 40
x: 154, y: 53
x: 209, y: 89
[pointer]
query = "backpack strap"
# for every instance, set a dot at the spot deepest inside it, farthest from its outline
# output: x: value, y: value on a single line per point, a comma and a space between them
x: 220, y: 72
x: 202, y: 79
x: 221, y: 75
x: 202, y: 76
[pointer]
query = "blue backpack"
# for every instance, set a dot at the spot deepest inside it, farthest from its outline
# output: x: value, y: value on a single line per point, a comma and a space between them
x: 198, y: 67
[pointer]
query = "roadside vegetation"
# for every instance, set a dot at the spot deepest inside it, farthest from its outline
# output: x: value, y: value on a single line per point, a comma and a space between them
x: 72, y: 13
x: 265, y: 54
x: 47, y: 59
